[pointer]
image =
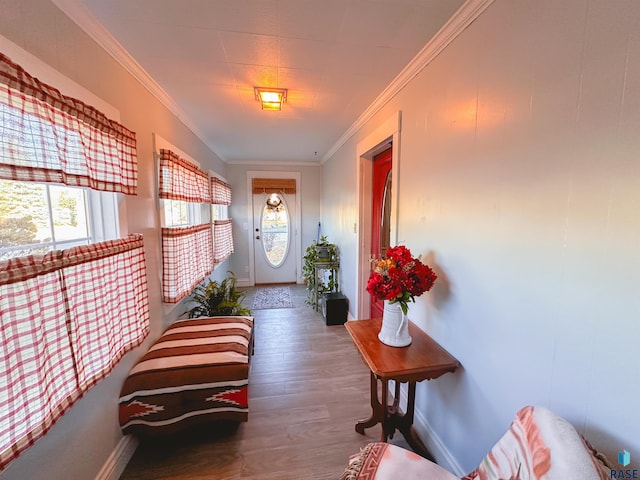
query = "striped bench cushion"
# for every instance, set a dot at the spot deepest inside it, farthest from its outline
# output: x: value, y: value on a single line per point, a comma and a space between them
x: 197, y: 371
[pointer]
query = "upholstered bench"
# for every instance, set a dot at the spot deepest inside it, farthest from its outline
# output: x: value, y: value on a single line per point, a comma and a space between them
x: 196, y: 372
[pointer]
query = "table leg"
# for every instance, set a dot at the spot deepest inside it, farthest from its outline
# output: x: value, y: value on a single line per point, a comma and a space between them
x: 404, y: 422
x: 377, y: 411
x: 391, y: 416
x: 387, y: 427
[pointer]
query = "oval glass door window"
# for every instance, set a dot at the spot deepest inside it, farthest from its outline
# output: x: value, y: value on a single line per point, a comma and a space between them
x: 385, y: 221
x: 275, y: 230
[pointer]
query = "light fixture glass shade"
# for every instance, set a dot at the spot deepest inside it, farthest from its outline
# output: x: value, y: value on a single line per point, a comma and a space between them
x: 271, y: 98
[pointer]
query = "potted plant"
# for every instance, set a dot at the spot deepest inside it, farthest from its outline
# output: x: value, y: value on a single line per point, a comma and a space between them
x: 324, y: 253
x: 218, y: 299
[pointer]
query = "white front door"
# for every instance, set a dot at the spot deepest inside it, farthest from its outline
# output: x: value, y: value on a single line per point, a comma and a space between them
x: 273, y: 237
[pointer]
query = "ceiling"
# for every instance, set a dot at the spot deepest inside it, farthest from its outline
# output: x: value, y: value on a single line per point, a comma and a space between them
x: 202, y: 58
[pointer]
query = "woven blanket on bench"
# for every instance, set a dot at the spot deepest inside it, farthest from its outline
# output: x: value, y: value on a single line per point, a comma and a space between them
x: 197, y: 371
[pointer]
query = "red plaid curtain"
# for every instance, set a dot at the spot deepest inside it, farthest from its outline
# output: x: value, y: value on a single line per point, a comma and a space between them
x: 222, y: 240
x: 182, y: 180
x: 49, y: 137
x: 66, y: 318
x: 187, y: 258
x: 220, y: 191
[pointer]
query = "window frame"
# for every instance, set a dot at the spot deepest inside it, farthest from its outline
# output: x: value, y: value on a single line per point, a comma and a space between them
x: 197, y: 213
x: 220, y: 213
x: 101, y: 209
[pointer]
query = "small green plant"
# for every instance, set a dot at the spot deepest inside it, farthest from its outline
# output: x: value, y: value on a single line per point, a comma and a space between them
x: 218, y: 299
x: 319, y: 251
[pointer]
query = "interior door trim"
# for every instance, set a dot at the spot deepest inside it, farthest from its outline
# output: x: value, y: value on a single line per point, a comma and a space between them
x: 296, y: 244
x: 377, y: 141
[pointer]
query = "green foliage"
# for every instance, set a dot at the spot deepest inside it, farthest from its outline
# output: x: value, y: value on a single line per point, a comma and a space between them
x: 68, y: 205
x: 24, y: 213
x: 21, y: 207
x: 214, y: 299
x: 17, y: 231
x: 23, y: 199
x: 311, y: 257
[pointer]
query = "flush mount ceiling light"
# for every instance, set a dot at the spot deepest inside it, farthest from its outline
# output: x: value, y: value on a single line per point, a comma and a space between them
x: 270, y: 98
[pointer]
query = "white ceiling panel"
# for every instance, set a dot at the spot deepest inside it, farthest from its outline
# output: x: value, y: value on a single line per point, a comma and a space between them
x: 334, y: 56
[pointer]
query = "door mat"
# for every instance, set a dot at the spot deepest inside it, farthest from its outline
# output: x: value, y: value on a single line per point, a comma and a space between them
x: 272, y: 297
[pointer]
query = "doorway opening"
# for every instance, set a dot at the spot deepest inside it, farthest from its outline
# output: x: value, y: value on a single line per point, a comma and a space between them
x: 273, y: 226
x: 381, y: 189
x: 386, y: 135
x: 273, y: 231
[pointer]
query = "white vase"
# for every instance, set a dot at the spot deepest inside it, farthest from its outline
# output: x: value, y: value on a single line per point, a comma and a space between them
x: 395, y: 326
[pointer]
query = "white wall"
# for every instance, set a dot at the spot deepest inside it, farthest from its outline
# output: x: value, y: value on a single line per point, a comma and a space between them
x: 519, y: 182
x: 79, y: 445
x: 240, y: 211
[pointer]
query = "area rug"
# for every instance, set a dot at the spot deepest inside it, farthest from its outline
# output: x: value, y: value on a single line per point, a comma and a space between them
x: 272, y: 297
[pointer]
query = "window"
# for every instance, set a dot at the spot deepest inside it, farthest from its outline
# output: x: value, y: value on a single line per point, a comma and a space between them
x: 274, y: 225
x: 219, y: 212
x: 175, y: 213
x: 183, y: 214
x: 187, y: 244
x: 67, y: 318
x: 195, y: 236
x: 222, y: 224
x: 71, y: 304
x: 39, y: 217
x: 184, y: 191
x: 222, y: 240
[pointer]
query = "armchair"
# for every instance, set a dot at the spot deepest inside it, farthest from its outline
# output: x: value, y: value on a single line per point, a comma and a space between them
x: 537, y: 445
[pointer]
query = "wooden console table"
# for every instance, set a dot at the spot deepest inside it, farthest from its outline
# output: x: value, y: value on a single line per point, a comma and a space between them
x: 424, y: 359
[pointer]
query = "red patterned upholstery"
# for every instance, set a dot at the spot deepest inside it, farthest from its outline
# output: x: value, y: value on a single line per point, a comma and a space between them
x: 197, y: 371
x: 538, y: 445
x: 383, y: 461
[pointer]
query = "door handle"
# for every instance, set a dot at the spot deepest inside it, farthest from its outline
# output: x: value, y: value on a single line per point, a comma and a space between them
x: 257, y: 237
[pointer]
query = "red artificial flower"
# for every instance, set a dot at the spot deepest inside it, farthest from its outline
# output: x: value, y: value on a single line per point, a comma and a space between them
x: 399, y: 277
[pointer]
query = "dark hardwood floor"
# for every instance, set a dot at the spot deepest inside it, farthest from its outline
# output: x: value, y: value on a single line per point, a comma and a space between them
x: 307, y: 389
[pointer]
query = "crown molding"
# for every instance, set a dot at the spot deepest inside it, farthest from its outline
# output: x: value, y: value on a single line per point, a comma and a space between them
x: 313, y: 163
x: 465, y: 15
x: 81, y: 16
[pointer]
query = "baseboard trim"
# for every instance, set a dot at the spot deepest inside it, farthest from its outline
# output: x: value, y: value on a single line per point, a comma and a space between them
x: 117, y: 461
x: 432, y: 441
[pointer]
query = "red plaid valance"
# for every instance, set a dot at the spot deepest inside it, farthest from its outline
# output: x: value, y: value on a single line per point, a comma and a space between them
x: 66, y: 318
x: 187, y: 258
x: 220, y: 191
x: 182, y: 180
x: 49, y: 137
x: 222, y: 240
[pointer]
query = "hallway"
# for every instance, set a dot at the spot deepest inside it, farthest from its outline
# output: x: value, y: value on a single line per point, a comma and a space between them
x: 308, y: 387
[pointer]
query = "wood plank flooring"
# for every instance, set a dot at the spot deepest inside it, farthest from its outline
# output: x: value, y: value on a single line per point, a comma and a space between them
x: 307, y: 389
